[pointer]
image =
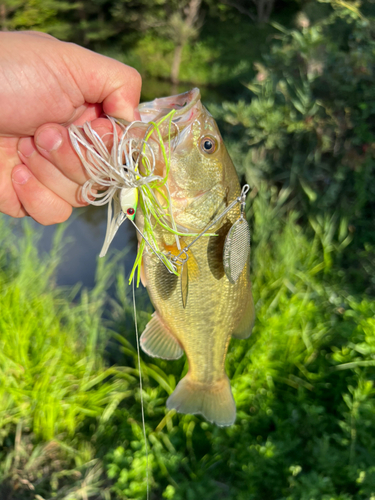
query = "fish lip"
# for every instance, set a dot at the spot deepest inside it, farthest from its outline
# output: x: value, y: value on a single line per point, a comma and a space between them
x: 182, y: 103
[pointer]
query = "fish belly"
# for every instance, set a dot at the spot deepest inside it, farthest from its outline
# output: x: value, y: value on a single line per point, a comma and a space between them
x: 203, y: 328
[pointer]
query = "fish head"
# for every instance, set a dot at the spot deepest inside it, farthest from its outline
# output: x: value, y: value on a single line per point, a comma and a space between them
x: 200, y: 167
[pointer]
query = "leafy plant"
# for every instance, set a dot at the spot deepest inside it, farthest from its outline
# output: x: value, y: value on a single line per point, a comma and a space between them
x: 309, y: 125
x: 52, y: 372
x: 70, y: 413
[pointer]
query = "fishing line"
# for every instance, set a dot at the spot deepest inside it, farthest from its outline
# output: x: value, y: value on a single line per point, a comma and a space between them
x: 149, y: 244
x: 141, y: 390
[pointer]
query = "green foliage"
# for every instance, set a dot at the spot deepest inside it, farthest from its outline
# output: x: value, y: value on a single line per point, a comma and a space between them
x: 309, y: 124
x: 53, y: 378
x: 47, y: 373
x: 309, y: 127
x: 40, y: 15
x: 70, y: 404
x: 303, y: 385
x: 153, y: 56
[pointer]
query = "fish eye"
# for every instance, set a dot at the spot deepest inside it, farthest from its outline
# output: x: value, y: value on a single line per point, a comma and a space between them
x: 208, y: 145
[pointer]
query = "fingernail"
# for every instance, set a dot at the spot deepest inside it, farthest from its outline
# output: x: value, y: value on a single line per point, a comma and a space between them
x: 21, y: 175
x: 26, y: 146
x: 49, y: 139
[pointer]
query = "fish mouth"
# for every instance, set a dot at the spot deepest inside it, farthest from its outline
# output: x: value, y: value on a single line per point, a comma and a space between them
x: 184, y: 105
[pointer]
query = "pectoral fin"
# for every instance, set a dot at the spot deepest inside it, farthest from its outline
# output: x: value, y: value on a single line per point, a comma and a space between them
x: 157, y: 341
x: 245, y: 326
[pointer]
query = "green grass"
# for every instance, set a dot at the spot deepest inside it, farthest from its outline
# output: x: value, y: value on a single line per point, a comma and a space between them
x: 70, y: 415
x: 52, y: 372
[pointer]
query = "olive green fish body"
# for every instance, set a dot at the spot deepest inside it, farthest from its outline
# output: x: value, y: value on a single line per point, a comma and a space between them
x: 198, y: 311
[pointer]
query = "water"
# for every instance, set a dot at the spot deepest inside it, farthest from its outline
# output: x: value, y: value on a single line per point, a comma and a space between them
x: 83, y: 240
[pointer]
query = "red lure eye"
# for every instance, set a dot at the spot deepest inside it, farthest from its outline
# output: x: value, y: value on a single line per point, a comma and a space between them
x: 130, y: 211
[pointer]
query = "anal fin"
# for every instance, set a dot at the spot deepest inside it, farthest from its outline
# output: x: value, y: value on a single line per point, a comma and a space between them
x: 157, y: 341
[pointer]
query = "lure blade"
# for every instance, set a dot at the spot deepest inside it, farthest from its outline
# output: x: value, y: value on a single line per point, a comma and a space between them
x: 184, y: 284
x: 236, y: 249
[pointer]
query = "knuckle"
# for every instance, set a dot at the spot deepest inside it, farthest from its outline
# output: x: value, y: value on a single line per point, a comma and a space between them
x: 62, y: 215
x: 56, y: 218
x: 48, y: 208
x: 59, y: 211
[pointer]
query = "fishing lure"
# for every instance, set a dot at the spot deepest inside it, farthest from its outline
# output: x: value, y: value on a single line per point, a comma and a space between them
x: 116, y: 179
x: 121, y: 183
x: 118, y: 176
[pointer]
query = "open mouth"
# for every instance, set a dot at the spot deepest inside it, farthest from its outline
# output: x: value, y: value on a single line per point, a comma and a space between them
x: 182, y: 103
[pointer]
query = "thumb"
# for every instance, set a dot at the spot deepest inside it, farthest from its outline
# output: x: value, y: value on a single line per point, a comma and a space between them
x: 107, y: 81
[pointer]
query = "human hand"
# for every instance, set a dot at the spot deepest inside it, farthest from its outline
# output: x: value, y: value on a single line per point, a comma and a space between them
x: 45, y: 85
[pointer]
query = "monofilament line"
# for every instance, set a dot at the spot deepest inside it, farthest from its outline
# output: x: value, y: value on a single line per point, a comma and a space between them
x: 141, y: 388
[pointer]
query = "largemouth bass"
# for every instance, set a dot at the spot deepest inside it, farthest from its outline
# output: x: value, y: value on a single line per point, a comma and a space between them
x: 199, y: 311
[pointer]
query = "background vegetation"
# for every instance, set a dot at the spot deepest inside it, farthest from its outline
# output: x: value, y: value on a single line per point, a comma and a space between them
x: 292, y: 85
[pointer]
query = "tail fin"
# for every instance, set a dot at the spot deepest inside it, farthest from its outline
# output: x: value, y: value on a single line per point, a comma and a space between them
x: 215, y: 402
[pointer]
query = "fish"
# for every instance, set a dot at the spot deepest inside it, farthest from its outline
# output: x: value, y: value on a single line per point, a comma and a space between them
x: 198, y: 310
